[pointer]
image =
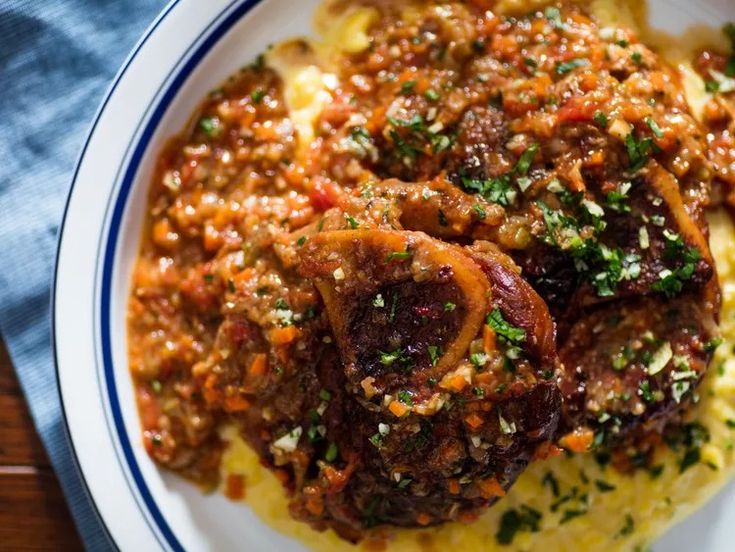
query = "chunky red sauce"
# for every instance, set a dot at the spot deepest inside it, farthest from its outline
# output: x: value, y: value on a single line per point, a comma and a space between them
x: 494, y: 247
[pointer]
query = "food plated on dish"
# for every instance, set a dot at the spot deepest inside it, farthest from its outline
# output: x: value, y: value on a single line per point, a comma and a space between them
x: 447, y: 273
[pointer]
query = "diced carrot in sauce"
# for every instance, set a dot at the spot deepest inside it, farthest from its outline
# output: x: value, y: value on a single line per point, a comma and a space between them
x: 490, y: 487
x: 578, y: 440
x: 485, y: 377
x: 595, y: 159
x: 213, y: 239
x: 210, y: 391
x: 589, y: 82
x: 457, y: 383
x: 282, y: 475
x: 398, y: 408
x: 149, y: 407
x: 265, y: 132
x: 453, y: 486
x: 468, y: 517
x: 314, y: 505
x: 423, y: 519
x: 337, y: 478
x: 283, y: 336
x: 488, y: 339
x: 259, y: 365
x: 235, y: 486
x: 546, y: 450
x: 377, y: 120
x: 236, y: 403
x: 474, y: 421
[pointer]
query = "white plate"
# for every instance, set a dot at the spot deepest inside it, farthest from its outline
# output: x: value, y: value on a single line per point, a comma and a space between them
x: 187, y: 51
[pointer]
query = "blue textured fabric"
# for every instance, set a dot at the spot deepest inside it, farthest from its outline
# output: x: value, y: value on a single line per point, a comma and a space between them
x: 57, y: 58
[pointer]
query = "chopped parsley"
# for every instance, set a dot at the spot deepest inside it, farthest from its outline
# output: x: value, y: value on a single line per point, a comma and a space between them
x: 398, y: 255
x: 407, y: 87
x: 449, y: 306
x: 500, y: 189
x: 378, y: 301
x: 431, y: 95
x: 616, y: 199
x: 551, y: 481
x: 352, y: 222
x: 627, y: 528
x: 480, y: 211
x: 711, y: 345
x: 405, y: 397
x: 393, y: 306
x: 281, y: 304
x: 657, y: 132
x: 691, y: 457
x: 504, y: 329
x: 671, y: 282
x: 554, y: 16
x: 405, y: 482
x: 417, y: 134
x: 211, y: 126
x: 569, y: 66
x: 434, y: 354
x: 604, y: 486
x: 600, y: 118
x: 331, y: 454
x: 398, y: 357
x: 514, y: 521
x: 257, y: 96
x: 524, y: 162
x: 570, y: 514
x: 712, y: 86
x: 442, y: 218
x: 644, y: 390
x: 496, y: 190
x: 639, y: 151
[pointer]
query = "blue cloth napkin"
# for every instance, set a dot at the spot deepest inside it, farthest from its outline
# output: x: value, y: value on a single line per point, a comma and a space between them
x: 56, y: 61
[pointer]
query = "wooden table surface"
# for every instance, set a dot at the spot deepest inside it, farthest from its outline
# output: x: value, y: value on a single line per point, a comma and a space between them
x: 33, y: 514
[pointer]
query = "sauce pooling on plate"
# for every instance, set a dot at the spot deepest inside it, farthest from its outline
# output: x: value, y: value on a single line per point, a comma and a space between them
x: 487, y: 245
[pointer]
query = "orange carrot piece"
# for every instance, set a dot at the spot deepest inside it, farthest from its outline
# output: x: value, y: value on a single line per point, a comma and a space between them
x: 453, y: 486
x: 398, y: 408
x: 474, y: 421
x: 578, y: 440
x: 235, y: 486
x: 284, y: 336
x: 423, y: 519
x: 457, y: 383
x: 488, y: 339
x: 490, y: 487
x: 259, y: 365
x: 236, y: 403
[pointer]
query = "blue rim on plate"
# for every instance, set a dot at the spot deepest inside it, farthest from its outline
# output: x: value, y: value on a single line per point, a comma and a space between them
x: 220, y: 25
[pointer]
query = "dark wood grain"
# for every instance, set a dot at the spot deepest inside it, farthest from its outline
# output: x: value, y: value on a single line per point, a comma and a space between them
x: 33, y: 513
